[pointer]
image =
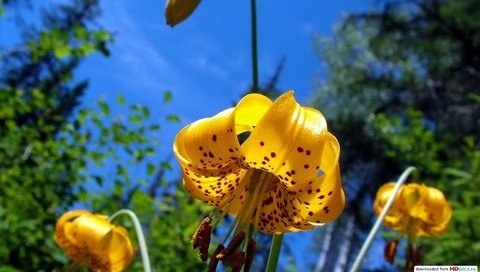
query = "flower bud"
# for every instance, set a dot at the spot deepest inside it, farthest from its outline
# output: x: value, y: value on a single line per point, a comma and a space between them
x: 177, y: 11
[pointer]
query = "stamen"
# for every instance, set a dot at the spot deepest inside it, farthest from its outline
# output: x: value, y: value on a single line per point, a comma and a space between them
x: 250, y: 253
x: 235, y: 261
x: 212, y: 266
x: 234, y: 244
x: 201, y: 238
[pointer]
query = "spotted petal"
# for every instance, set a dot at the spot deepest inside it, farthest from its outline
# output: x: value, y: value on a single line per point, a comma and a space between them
x: 293, y: 143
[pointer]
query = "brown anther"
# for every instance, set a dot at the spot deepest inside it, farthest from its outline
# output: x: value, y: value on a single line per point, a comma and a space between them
x: 201, y: 238
x: 234, y: 244
x: 212, y: 266
x: 235, y: 260
x: 250, y: 253
x: 390, y: 251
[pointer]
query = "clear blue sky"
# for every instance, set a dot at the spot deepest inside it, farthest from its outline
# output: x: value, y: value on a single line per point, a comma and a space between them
x: 205, y: 61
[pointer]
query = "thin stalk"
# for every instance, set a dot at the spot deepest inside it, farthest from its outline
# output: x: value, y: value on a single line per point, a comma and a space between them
x: 363, y: 251
x: 141, y: 238
x: 274, y: 253
x: 253, y: 10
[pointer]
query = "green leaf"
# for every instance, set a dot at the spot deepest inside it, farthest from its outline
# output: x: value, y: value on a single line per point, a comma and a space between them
x: 120, y: 100
x: 151, y: 169
x: 167, y: 97
x: 166, y: 165
x: 104, y: 107
x: 135, y: 119
x: 173, y: 118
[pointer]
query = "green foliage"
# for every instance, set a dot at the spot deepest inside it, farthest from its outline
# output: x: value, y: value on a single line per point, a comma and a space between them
x: 37, y: 168
x: 102, y: 158
x: 462, y: 192
x: 63, y: 44
x: 127, y: 146
x: 407, y: 140
x: 402, y: 89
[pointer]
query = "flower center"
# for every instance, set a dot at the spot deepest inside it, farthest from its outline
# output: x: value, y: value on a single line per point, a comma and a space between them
x: 242, y: 232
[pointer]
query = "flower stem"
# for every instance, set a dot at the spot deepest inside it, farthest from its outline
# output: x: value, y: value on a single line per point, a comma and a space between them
x: 363, y: 251
x: 253, y: 10
x: 274, y: 253
x: 141, y: 238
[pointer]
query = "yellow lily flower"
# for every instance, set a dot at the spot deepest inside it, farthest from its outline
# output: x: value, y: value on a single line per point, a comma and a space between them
x: 284, y: 177
x: 176, y: 11
x: 91, y: 240
x: 417, y: 210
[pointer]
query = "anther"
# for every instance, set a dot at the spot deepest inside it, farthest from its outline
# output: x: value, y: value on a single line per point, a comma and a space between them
x: 212, y: 266
x: 250, y: 253
x: 234, y: 244
x: 201, y: 238
x: 235, y: 260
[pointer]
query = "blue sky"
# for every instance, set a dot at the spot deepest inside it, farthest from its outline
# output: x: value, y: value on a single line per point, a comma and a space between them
x: 205, y: 61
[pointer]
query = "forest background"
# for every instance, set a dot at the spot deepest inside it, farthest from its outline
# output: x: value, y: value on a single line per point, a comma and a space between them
x: 399, y: 87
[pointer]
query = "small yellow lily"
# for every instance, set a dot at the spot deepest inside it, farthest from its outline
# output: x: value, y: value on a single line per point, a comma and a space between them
x: 284, y: 177
x: 91, y: 240
x: 418, y: 210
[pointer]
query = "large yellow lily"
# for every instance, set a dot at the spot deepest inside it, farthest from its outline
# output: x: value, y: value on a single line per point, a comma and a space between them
x: 289, y: 154
x: 284, y: 177
x: 418, y: 210
x: 91, y: 240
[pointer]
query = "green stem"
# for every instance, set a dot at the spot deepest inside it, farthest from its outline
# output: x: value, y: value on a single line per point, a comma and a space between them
x: 274, y: 253
x: 403, y: 177
x: 141, y: 238
x: 255, y: 87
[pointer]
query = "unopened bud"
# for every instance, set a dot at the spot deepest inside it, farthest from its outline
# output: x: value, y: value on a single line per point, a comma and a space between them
x: 177, y: 11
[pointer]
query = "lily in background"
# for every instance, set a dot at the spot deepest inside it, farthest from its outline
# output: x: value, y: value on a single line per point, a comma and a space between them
x: 417, y: 211
x: 90, y: 240
x: 272, y: 165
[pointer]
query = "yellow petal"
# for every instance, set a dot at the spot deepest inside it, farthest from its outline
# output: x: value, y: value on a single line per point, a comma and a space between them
x: 324, y: 200
x: 72, y: 247
x: 276, y: 213
x: 90, y: 229
x: 249, y: 111
x: 116, y: 248
x: 397, y: 216
x: 287, y: 138
x: 436, y: 213
x: 209, y: 152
